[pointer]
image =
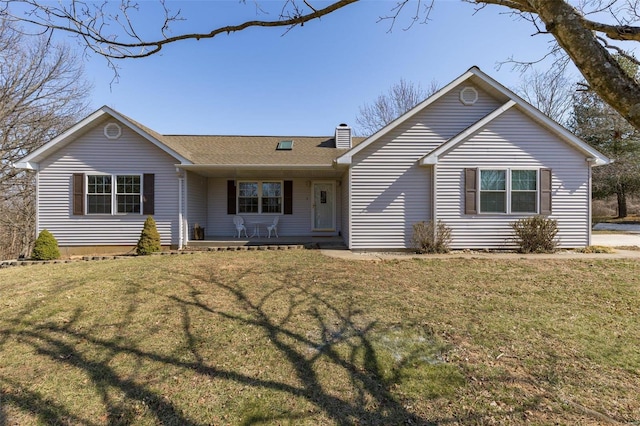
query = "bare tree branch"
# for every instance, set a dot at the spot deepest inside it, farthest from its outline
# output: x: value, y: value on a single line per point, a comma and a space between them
x: 614, y: 32
x: 577, y: 37
x: 400, y: 98
x: 42, y: 92
x: 422, y: 13
x: 618, y: 50
x: 550, y: 91
x: 91, y: 22
x: 584, y: 32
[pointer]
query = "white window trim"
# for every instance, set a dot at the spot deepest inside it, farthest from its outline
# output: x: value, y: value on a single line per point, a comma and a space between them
x: 508, y: 190
x: 86, y: 194
x: 260, y: 182
x: 114, y: 194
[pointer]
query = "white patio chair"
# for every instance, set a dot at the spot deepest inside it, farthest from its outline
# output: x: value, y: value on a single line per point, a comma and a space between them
x: 274, y: 226
x: 238, y: 221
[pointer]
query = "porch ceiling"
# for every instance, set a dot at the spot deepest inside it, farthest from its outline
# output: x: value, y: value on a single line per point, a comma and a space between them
x: 276, y: 171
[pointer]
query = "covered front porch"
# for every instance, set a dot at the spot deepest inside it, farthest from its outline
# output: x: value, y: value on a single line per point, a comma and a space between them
x: 306, y: 203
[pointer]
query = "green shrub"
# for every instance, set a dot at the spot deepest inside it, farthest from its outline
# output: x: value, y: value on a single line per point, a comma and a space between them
x: 149, y: 241
x: 536, y: 234
x: 45, y: 247
x: 430, y: 238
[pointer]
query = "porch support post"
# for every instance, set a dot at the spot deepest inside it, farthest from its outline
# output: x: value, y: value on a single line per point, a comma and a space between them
x: 180, y: 212
x: 434, y: 200
x: 589, y: 201
x: 37, y: 228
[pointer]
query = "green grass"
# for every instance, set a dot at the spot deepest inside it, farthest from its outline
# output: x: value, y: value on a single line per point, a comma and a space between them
x: 298, y: 338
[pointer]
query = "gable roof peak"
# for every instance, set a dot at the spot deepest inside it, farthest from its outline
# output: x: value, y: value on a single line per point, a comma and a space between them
x: 492, y: 85
x: 32, y: 160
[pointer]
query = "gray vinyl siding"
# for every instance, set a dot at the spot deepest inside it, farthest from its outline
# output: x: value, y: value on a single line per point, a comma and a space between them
x: 390, y: 191
x: 196, y: 202
x: 514, y: 141
x: 220, y: 224
x: 93, y: 153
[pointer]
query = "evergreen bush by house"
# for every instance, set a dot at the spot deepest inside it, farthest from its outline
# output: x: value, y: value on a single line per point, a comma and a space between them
x: 149, y: 241
x: 536, y: 234
x: 429, y: 237
x: 45, y: 247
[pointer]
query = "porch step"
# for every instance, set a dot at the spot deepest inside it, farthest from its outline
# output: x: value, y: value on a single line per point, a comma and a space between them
x: 282, y: 243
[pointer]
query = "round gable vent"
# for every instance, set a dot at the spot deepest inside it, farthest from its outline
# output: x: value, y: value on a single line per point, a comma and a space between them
x: 468, y: 96
x: 112, y: 131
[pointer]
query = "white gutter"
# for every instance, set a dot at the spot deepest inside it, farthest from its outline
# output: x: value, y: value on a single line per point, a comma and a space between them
x: 197, y: 167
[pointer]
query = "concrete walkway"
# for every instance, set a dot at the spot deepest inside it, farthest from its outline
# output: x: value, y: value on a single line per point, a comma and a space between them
x: 616, y: 240
x: 607, y: 240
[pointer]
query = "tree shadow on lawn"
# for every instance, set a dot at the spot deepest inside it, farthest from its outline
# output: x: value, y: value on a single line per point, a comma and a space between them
x: 336, y: 335
x: 333, y: 327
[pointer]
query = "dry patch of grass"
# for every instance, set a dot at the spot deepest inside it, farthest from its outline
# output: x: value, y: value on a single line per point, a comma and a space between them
x: 596, y: 249
x: 297, y: 338
x: 631, y: 248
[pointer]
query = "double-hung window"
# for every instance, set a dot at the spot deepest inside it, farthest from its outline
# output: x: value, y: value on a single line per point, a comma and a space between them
x: 493, y: 191
x: 101, y: 194
x: 271, y: 197
x: 248, y: 198
x: 508, y: 191
x: 260, y: 197
x: 128, y: 194
x: 524, y: 191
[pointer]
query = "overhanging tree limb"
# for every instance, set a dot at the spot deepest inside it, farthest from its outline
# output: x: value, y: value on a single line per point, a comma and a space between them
x: 614, y: 32
x: 108, y: 30
x: 578, y: 38
x: 603, y: 73
x: 91, y: 23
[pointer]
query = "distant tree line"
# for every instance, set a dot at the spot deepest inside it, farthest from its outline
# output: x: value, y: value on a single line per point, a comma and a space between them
x: 42, y: 92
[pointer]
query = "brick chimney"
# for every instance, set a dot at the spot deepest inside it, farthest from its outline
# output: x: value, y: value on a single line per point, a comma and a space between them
x: 343, y: 136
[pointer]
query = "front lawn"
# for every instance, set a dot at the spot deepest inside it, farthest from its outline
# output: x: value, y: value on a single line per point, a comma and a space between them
x: 294, y: 337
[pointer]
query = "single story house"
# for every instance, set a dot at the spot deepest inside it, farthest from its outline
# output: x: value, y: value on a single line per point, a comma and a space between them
x: 474, y: 155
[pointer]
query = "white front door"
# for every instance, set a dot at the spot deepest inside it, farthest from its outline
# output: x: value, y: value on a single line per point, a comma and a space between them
x: 324, y: 206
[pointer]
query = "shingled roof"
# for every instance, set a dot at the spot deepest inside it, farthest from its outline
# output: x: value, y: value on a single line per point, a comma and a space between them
x: 224, y: 150
x: 255, y: 150
x: 211, y: 150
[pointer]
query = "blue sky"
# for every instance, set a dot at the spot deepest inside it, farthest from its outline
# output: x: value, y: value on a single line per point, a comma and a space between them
x: 263, y: 82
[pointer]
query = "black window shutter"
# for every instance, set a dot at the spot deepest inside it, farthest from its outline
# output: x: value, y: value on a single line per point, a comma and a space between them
x: 148, y: 193
x: 231, y: 197
x: 78, y: 194
x: 470, y: 191
x: 545, y: 191
x: 288, y: 197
